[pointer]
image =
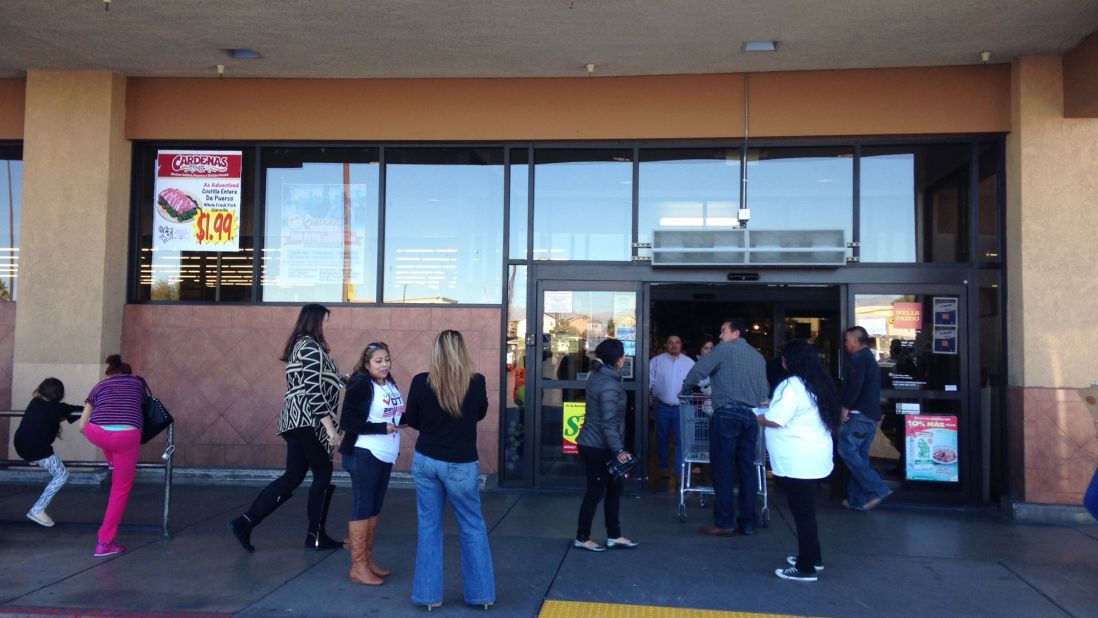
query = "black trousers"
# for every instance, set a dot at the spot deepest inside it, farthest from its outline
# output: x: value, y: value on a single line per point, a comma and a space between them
x: 599, y: 485
x: 304, y: 452
x: 802, y: 503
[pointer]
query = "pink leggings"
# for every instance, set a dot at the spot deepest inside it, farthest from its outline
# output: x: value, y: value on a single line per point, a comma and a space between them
x: 121, y: 448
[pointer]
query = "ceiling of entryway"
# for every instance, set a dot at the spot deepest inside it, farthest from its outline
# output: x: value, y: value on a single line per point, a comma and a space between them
x: 515, y: 38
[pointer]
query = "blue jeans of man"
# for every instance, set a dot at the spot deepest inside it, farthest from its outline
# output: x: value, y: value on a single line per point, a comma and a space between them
x: 1090, y: 500
x: 855, y: 439
x: 437, y: 481
x: 667, y: 421
x: 733, y: 432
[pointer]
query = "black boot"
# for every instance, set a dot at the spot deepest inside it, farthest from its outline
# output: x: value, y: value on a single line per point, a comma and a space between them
x: 242, y: 526
x: 316, y: 538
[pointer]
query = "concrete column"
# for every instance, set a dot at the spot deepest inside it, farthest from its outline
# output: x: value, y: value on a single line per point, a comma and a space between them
x: 75, y: 231
x: 1052, y: 277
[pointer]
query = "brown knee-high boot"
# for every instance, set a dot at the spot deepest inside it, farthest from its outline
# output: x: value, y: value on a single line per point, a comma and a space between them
x: 371, y: 533
x: 360, y: 554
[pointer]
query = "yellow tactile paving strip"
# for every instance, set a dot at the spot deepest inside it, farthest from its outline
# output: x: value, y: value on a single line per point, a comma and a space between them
x: 576, y: 609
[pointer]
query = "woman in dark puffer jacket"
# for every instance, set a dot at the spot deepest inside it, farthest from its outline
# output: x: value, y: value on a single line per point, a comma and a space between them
x: 600, y: 441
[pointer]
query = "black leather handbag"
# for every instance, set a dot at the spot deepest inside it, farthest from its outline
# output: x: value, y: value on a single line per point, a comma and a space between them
x: 157, y: 417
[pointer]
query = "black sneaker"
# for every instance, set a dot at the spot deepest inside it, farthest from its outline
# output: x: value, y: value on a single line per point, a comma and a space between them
x: 792, y: 560
x: 793, y: 574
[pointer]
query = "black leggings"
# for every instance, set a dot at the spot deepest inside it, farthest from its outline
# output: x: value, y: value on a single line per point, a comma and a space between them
x: 599, y: 484
x: 802, y: 503
x: 303, y: 452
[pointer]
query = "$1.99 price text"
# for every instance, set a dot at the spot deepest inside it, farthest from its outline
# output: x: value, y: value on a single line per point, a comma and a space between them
x: 215, y: 228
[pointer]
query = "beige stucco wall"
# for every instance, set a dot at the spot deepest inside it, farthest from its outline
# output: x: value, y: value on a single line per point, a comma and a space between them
x: 74, y: 231
x: 1052, y: 270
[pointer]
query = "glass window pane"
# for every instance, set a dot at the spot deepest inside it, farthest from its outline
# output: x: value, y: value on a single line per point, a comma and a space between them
x: 575, y: 322
x: 443, y: 225
x: 917, y: 444
x: 583, y: 204
x: 166, y: 275
x: 913, y: 353
x: 801, y: 188
x: 11, y: 199
x: 688, y: 188
x: 519, y: 204
x: 320, y: 238
x: 514, y: 449
x: 990, y: 225
x: 914, y: 203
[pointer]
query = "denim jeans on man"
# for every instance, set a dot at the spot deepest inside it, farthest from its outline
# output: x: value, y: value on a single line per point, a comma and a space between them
x: 435, y: 482
x: 667, y: 421
x: 733, y: 432
x: 855, y: 439
x: 1090, y: 500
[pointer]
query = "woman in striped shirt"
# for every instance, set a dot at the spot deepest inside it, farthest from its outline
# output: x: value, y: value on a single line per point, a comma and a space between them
x: 112, y: 420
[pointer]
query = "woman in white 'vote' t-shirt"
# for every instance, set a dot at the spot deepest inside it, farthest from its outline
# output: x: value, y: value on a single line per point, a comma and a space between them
x: 372, y: 407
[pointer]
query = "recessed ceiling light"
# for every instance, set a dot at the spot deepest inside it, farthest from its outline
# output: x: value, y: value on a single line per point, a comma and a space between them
x: 760, y: 46
x: 242, y: 53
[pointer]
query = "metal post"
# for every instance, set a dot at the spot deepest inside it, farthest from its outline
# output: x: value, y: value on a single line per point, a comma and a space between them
x: 169, y: 453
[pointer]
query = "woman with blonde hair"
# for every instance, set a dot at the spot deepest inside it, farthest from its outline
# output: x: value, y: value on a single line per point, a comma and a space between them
x: 445, y: 405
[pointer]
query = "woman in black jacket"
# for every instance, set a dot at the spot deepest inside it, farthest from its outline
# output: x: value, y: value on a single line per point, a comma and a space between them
x: 372, y: 408
x: 34, y: 438
x: 600, y: 441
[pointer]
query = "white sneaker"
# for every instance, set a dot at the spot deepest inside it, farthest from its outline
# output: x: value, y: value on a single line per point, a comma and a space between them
x: 40, y: 518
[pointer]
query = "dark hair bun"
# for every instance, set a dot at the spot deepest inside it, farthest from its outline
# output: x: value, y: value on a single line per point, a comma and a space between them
x: 610, y: 351
x: 115, y: 365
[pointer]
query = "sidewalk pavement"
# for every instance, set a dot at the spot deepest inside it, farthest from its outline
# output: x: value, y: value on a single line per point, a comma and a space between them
x: 894, y: 561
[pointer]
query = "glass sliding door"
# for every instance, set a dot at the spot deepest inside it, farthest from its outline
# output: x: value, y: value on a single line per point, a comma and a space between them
x: 928, y: 443
x: 572, y: 319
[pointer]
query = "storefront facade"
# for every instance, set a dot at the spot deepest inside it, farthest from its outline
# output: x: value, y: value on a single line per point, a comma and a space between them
x: 521, y: 211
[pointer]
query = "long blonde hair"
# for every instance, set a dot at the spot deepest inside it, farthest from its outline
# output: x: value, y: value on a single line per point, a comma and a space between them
x: 451, y: 370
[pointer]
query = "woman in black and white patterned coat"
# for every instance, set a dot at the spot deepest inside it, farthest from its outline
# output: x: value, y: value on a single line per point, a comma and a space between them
x: 308, y: 425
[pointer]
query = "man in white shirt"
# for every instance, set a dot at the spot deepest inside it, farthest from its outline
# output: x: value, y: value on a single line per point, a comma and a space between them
x: 665, y: 375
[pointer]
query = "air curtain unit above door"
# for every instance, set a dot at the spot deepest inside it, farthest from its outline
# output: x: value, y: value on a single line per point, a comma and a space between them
x: 740, y: 247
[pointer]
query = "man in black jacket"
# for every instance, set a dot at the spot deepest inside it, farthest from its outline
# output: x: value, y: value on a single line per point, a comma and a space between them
x: 861, y: 400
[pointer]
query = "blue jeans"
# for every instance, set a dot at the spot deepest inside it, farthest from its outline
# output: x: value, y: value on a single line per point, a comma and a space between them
x: 855, y: 439
x: 1090, y: 500
x: 369, y: 482
x: 733, y: 432
x: 435, y: 482
x: 667, y: 420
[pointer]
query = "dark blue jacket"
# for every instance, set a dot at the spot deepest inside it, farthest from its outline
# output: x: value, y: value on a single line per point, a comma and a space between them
x: 862, y: 384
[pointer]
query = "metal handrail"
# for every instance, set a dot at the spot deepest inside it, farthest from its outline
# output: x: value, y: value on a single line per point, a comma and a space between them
x: 167, y: 457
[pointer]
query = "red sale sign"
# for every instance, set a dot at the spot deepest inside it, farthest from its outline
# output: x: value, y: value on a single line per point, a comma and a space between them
x: 196, y: 200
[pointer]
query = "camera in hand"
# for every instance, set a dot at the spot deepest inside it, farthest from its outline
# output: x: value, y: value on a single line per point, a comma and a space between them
x: 619, y: 470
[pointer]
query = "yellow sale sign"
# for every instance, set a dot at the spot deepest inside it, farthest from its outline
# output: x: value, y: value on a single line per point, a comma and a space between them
x: 574, y: 412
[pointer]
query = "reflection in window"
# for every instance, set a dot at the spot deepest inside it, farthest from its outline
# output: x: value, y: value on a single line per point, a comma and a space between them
x: 514, y: 449
x: 914, y: 203
x: 443, y: 225
x: 204, y: 276
x: 583, y: 204
x: 320, y: 238
x: 11, y: 198
x: 688, y: 188
x: 801, y: 188
x: 915, y: 349
x: 990, y: 163
x: 519, y: 204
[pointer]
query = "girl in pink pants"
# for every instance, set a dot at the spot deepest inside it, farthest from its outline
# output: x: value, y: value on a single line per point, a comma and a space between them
x: 112, y: 420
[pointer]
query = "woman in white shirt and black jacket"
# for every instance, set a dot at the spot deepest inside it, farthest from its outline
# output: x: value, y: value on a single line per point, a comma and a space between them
x: 372, y: 407
x: 802, y: 416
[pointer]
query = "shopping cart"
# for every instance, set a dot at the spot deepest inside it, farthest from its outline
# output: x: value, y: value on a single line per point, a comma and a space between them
x: 695, y: 412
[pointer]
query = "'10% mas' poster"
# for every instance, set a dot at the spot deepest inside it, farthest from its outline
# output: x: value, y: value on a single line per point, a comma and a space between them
x: 197, y: 201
